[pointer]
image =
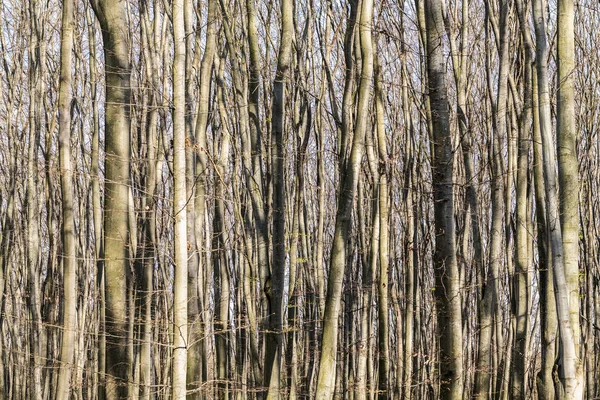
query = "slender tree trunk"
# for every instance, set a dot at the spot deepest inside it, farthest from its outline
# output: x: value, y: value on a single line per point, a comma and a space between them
x: 348, y: 185
x: 447, y: 279
x: 220, y: 259
x: 488, y: 308
x: 195, y: 192
x: 570, y: 366
x: 383, y: 252
x: 66, y: 184
x: 180, y: 335
x: 97, y: 203
x: 274, y: 338
x: 406, y: 381
x: 568, y: 179
x: 548, y: 324
x: 196, y: 371
x: 37, y: 334
x: 521, y: 290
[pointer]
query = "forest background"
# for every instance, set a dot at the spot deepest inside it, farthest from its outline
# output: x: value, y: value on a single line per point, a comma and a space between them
x: 299, y: 199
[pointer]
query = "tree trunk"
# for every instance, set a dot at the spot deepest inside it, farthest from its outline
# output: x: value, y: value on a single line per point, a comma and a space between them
x: 196, y: 371
x: 274, y: 338
x: 570, y: 366
x: 383, y: 252
x: 348, y: 185
x: 180, y: 283
x: 548, y: 324
x: 68, y: 225
x: 447, y: 279
x: 568, y: 180
x: 112, y: 15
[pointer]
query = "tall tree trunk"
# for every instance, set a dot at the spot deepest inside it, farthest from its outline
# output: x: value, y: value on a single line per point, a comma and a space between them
x: 197, y: 345
x: 548, y: 324
x: 146, y: 260
x: 37, y: 334
x: 568, y: 179
x: 488, y: 308
x: 220, y: 259
x: 112, y: 15
x: 570, y: 366
x: 447, y: 279
x: 348, y: 185
x: 383, y: 252
x: 274, y: 338
x: 521, y: 286
x: 66, y: 185
x: 520, y: 289
x: 180, y: 283
x: 97, y: 202
x: 195, y: 191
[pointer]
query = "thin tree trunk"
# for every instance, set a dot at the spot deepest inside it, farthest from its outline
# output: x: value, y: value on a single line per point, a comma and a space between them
x: 348, y: 185
x: 383, y: 251
x: 195, y: 368
x: 447, y: 279
x: 37, y: 340
x: 220, y: 259
x: 521, y: 291
x: 180, y: 283
x: 573, y: 388
x: 568, y: 180
x: 488, y: 308
x: 68, y: 226
x: 274, y: 338
x: 97, y: 202
x: 548, y: 325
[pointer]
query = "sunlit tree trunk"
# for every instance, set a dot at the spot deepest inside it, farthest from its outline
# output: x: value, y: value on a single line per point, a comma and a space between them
x: 220, y: 258
x: 383, y: 250
x: 66, y: 185
x: 197, y: 370
x: 112, y: 15
x: 568, y: 179
x: 548, y: 324
x: 570, y: 367
x: 37, y: 333
x: 348, y: 186
x: 179, y: 207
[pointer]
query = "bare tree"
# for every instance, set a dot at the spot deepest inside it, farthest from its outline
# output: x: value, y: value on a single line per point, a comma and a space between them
x: 112, y: 15
x: 447, y: 280
x: 68, y: 228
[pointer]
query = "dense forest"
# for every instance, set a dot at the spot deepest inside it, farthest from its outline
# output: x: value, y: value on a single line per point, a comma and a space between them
x: 316, y: 199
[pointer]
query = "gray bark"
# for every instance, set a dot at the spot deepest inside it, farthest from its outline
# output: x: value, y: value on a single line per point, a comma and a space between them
x: 68, y: 226
x: 447, y: 279
x: 112, y: 15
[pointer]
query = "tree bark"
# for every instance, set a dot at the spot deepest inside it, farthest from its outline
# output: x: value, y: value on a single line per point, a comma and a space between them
x: 568, y: 180
x: 570, y: 366
x: 274, y: 338
x: 112, y: 15
x: 348, y: 185
x: 447, y: 279
x: 180, y: 335
x: 66, y: 185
